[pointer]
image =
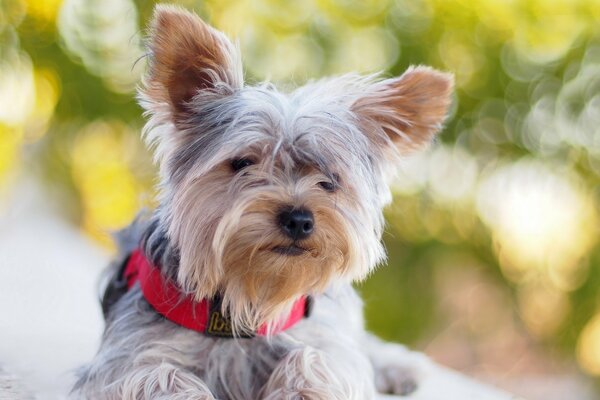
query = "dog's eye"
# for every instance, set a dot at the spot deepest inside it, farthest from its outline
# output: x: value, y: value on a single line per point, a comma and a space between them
x: 327, y: 186
x: 241, y: 163
x: 330, y: 186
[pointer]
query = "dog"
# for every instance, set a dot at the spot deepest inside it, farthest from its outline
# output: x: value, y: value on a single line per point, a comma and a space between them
x: 238, y: 285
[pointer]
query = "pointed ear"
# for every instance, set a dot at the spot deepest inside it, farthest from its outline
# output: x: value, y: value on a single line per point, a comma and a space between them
x: 407, y: 111
x: 188, y: 57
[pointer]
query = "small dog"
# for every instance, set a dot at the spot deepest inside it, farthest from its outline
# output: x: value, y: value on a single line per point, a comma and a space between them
x: 238, y: 286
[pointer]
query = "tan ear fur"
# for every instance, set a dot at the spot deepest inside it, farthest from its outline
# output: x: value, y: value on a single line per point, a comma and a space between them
x: 409, y: 109
x: 188, y: 56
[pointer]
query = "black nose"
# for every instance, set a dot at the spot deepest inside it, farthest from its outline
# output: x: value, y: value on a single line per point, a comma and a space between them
x: 297, y: 224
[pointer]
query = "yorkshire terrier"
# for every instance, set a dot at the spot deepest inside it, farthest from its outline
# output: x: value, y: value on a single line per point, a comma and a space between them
x: 238, y: 286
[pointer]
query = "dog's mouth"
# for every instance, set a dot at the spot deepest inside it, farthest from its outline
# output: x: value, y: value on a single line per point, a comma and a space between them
x: 291, y: 250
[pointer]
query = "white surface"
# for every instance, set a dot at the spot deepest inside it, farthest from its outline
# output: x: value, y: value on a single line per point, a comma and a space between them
x: 444, y: 384
x: 50, y: 319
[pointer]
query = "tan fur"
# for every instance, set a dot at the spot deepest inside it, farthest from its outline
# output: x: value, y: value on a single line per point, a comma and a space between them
x: 188, y: 55
x: 226, y: 234
x: 410, y: 109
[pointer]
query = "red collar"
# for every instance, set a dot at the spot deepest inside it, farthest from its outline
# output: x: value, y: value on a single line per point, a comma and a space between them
x: 204, y: 316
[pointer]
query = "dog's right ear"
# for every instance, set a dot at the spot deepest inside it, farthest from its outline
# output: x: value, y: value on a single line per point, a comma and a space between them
x: 187, y: 57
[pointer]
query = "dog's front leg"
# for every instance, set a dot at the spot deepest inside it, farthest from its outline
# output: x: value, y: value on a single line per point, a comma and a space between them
x: 163, y: 381
x: 311, y: 374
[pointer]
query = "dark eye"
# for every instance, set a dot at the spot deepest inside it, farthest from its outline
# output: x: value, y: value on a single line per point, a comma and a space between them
x: 241, y: 163
x: 330, y: 186
x: 327, y: 186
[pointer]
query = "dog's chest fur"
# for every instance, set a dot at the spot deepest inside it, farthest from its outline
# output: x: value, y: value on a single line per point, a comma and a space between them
x: 231, y: 368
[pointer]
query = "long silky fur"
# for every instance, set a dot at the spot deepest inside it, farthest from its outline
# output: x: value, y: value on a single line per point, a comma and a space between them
x: 216, y: 229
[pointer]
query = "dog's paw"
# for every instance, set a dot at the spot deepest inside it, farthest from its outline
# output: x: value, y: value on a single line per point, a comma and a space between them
x: 398, y: 371
x: 396, y: 380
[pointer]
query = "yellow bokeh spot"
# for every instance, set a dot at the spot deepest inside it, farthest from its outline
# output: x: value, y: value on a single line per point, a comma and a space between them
x: 547, y: 29
x: 588, y: 347
x: 284, y: 15
x: 230, y: 16
x: 47, y: 92
x: 290, y: 58
x: 501, y: 16
x: 108, y: 189
x: 355, y: 11
x: 463, y: 59
x: 11, y: 139
x: 44, y: 10
x: 548, y: 40
x: 592, y: 9
x: 365, y: 50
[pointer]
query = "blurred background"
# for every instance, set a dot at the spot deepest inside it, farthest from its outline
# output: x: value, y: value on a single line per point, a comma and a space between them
x: 494, y: 264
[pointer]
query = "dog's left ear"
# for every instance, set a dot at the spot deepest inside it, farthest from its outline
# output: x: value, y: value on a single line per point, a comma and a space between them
x: 408, y: 111
x: 187, y: 57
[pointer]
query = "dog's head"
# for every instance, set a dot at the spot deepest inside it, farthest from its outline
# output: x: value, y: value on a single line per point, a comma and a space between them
x: 269, y: 195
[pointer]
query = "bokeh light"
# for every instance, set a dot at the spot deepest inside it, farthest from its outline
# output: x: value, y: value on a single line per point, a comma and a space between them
x: 17, y: 89
x: 105, y: 37
x: 540, y: 221
x: 102, y: 156
x: 588, y: 347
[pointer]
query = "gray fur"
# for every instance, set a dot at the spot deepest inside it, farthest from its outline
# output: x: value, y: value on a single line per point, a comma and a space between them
x: 144, y: 356
x: 215, y: 222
